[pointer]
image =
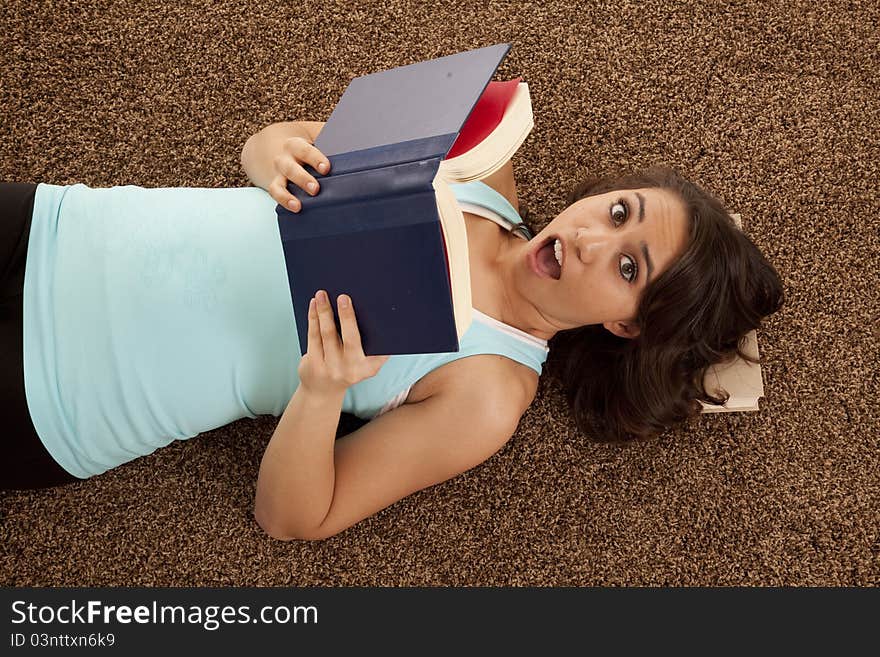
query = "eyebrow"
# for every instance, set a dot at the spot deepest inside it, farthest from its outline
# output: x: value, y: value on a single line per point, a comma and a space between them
x: 644, y: 245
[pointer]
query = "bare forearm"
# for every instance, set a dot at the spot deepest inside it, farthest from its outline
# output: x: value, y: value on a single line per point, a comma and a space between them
x: 297, y: 474
x: 258, y: 154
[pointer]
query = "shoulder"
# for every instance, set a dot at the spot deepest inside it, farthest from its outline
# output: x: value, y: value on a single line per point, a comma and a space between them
x: 503, y: 182
x: 484, y: 385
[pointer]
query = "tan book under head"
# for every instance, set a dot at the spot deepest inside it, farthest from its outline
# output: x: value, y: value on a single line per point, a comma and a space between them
x: 740, y: 378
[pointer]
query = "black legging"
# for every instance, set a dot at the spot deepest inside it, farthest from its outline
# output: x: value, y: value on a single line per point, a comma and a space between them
x: 24, y: 462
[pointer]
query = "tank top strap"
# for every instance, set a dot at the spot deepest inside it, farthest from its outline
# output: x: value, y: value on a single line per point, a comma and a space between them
x: 478, y: 198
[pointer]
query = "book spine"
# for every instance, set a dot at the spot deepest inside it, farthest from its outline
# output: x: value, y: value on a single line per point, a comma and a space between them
x: 390, y: 154
x: 363, y: 186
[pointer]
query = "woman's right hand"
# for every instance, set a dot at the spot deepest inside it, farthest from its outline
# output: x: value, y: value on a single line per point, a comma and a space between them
x: 332, y: 363
x: 287, y: 165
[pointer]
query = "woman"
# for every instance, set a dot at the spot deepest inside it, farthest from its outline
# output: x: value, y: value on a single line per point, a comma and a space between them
x: 180, y: 321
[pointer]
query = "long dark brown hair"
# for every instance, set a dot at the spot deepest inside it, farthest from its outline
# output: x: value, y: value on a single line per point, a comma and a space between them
x: 695, y: 314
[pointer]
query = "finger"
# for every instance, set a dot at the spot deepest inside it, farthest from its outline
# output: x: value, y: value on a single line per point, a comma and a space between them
x: 351, y: 335
x: 288, y: 167
x: 278, y: 190
x: 305, y: 151
x: 314, y: 345
x: 329, y: 334
x: 319, y: 162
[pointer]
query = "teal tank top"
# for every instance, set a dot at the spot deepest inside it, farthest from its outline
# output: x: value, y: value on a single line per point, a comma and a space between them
x: 153, y: 315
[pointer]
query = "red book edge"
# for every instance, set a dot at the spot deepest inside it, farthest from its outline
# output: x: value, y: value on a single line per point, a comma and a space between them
x: 485, y: 117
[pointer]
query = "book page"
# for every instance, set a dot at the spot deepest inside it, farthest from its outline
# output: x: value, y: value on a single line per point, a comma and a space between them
x: 494, y: 151
x: 455, y: 235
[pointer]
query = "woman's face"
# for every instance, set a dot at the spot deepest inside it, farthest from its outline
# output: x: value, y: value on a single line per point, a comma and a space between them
x: 613, y: 244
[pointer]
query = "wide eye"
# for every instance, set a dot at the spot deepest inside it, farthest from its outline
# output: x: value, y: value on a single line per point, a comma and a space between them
x: 619, y: 212
x: 629, y: 268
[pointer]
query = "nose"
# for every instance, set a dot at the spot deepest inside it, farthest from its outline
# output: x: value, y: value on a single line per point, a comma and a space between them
x: 590, y: 243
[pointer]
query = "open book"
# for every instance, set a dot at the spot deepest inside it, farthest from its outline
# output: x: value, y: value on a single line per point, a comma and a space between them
x: 385, y: 227
x: 740, y: 378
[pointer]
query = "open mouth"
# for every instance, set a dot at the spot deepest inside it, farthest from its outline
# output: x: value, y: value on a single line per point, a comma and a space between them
x: 545, y: 262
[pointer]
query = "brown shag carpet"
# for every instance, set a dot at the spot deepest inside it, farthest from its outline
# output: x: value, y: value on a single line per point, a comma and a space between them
x: 774, y: 108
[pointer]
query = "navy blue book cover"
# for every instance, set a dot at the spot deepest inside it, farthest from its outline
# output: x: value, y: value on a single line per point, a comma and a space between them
x: 373, y: 231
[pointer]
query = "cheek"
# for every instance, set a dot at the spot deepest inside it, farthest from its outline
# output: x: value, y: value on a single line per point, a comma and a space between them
x: 608, y: 295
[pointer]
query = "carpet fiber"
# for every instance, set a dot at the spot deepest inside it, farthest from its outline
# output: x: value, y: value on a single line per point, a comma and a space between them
x: 772, y: 106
